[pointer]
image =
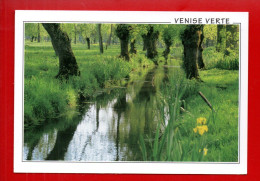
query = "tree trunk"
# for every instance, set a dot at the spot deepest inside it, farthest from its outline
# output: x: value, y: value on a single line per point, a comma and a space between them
x: 32, y: 38
x: 151, y: 38
x: 221, y: 38
x: 200, y: 58
x: 191, y: 39
x: 144, y: 43
x: 168, y: 42
x: 122, y: 32
x: 100, y: 39
x: 61, y: 44
x: 39, y: 33
x: 132, y: 47
x: 88, y: 42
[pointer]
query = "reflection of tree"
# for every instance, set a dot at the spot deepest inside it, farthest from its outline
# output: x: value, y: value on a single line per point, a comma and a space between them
x: 62, y: 142
x: 33, y: 136
x: 119, y: 107
x: 139, y: 117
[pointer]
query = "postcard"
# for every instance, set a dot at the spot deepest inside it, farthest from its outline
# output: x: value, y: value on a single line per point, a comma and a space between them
x: 131, y: 92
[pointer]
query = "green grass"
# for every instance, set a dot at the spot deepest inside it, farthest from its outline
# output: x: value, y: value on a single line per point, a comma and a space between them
x: 46, y: 97
x: 176, y: 140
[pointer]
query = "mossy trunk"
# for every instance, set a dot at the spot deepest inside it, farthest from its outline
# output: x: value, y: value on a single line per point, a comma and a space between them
x: 150, y: 42
x: 167, y: 49
x: 151, y: 38
x: 61, y: 44
x: 124, y: 49
x: 221, y: 38
x: 39, y: 33
x: 132, y: 47
x: 191, y: 40
x: 200, y: 57
x: 88, y: 42
x: 144, y: 43
x: 100, y: 39
x: 122, y: 32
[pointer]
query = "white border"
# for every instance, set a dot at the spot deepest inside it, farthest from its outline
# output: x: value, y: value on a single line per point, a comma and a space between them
x: 128, y: 167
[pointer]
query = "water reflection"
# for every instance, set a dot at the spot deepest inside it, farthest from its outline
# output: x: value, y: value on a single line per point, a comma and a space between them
x: 108, y: 129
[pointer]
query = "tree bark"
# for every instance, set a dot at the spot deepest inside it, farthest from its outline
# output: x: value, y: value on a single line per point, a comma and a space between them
x: 132, y: 47
x: 144, y: 43
x: 151, y: 38
x: 221, y: 38
x: 61, y: 44
x: 168, y: 42
x: 100, y: 39
x: 200, y: 57
x: 191, y: 39
x: 39, y: 33
x: 122, y: 32
x: 88, y: 42
x: 32, y: 38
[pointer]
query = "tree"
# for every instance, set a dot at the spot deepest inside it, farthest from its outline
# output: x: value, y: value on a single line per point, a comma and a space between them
x: 171, y: 35
x: 191, y: 40
x: 61, y: 44
x: 39, y: 32
x: 200, y: 57
x: 132, y: 47
x: 100, y: 39
x: 123, y: 33
x: 221, y: 38
x: 151, y: 38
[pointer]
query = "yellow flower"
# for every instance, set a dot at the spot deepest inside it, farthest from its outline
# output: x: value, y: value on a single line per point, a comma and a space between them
x: 201, y: 120
x: 202, y: 129
x: 205, y: 150
x: 195, y: 130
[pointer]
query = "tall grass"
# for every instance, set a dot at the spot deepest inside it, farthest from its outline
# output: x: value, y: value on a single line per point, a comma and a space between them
x: 214, y: 59
x: 46, y: 98
x: 195, y: 132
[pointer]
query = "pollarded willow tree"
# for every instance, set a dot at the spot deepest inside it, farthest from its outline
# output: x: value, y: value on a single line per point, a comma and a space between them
x: 123, y: 33
x: 61, y: 44
x: 191, y: 40
x: 171, y: 35
x: 150, y: 39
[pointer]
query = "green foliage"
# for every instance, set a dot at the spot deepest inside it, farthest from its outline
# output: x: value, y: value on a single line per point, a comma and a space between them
x: 214, y: 59
x: 210, y: 33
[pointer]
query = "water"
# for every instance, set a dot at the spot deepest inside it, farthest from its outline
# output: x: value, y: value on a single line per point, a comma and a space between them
x: 107, y: 129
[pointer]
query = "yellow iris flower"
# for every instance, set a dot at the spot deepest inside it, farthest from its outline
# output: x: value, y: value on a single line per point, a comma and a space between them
x: 201, y: 120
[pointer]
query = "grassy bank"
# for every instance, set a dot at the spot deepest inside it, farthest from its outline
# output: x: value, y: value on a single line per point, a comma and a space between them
x: 196, y: 133
x: 46, y: 97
